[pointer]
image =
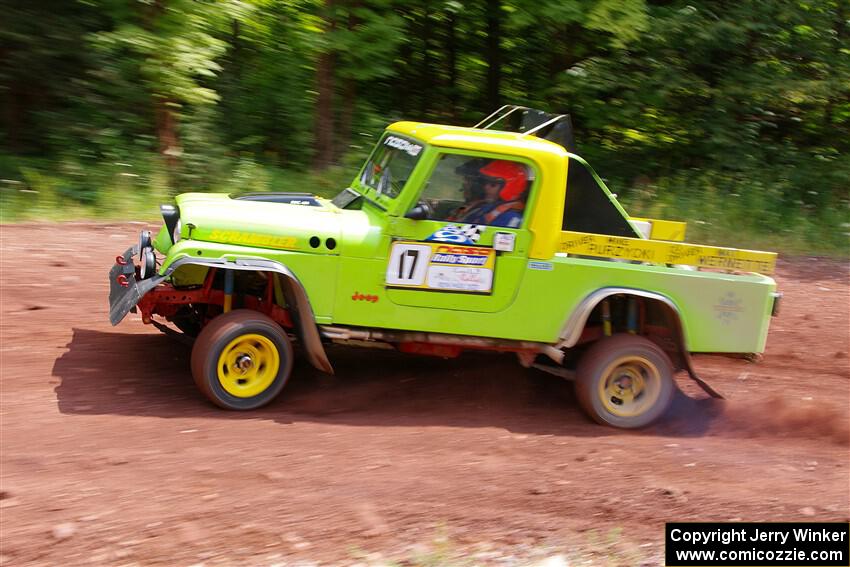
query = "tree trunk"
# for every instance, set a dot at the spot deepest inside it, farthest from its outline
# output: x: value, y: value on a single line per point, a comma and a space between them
x: 349, y: 94
x: 164, y: 116
x: 236, y: 42
x: 494, y: 54
x: 324, y: 125
x: 13, y: 118
x: 324, y: 112
x: 166, y: 132
x: 451, y: 62
x: 407, y: 80
x: 346, y: 117
x: 426, y: 76
x: 840, y: 23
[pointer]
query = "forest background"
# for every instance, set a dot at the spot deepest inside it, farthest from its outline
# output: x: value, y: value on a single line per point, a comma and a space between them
x: 732, y: 115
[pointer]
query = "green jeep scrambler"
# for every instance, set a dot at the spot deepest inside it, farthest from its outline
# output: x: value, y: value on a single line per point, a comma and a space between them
x: 448, y: 239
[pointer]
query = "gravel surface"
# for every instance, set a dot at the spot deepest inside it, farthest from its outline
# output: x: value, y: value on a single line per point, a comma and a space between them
x: 111, y: 456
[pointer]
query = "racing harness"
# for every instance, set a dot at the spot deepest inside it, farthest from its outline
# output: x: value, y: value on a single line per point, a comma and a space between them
x: 495, y: 212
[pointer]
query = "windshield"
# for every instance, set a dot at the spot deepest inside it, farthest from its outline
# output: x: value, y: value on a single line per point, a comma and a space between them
x: 390, y: 165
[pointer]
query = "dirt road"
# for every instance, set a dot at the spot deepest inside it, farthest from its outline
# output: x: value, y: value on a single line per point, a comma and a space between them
x: 110, y: 455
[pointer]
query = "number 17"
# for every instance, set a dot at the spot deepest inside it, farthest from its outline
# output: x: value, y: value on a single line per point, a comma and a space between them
x: 414, y: 256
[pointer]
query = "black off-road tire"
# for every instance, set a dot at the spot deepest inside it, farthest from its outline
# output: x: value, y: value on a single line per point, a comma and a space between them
x: 620, y: 359
x: 237, y: 326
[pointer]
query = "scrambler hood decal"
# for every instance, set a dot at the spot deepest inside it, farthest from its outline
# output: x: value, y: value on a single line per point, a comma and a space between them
x: 261, y: 224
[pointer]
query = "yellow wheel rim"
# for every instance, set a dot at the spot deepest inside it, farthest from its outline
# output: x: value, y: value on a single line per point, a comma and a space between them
x: 629, y: 386
x: 248, y: 365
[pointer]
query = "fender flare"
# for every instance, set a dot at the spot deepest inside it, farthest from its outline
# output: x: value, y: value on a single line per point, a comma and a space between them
x: 296, y: 297
x: 572, y: 329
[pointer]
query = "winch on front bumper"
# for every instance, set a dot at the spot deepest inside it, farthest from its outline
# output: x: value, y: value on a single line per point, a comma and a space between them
x: 126, y: 286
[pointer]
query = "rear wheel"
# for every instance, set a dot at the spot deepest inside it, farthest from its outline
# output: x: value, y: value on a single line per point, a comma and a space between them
x: 625, y: 381
x: 241, y: 360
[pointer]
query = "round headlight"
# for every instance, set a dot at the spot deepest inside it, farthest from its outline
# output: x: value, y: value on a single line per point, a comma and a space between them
x: 170, y: 214
x: 148, y: 267
x: 144, y: 242
x: 175, y: 236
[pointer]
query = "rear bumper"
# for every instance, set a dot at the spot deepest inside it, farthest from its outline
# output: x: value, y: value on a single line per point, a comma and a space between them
x: 777, y: 302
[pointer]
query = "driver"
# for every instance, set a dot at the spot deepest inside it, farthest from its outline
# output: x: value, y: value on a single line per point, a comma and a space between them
x: 505, y: 184
x: 473, y: 190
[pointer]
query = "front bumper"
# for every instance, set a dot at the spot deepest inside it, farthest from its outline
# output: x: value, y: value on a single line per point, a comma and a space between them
x: 125, y: 290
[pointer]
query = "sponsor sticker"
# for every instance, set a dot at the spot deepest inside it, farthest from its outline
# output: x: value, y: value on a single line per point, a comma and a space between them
x: 456, y: 278
x: 728, y: 307
x: 545, y: 266
x: 504, y: 241
x: 401, y: 144
x: 661, y: 252
x: 458, y: 234
x: 252, y: 239
x: 441, y: 266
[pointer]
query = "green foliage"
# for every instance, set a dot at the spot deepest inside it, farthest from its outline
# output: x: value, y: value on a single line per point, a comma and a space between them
x: 624, y: 20
x: 734, y: 114
x: 366, y: 38
x: 731, y: 93
x: 737, y: 210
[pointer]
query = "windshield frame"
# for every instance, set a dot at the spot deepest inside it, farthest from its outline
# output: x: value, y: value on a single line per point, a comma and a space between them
x: 399, y: 144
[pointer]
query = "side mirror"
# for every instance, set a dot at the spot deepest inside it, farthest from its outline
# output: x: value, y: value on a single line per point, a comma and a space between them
x: 421, y: 211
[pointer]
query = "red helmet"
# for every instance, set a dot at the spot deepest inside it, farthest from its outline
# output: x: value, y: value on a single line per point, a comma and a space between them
x: 513, y: 176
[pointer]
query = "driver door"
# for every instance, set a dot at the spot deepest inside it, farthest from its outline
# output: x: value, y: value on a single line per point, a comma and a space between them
x: 444, y: 262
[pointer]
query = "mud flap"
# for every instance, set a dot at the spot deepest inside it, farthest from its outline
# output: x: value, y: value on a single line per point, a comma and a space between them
x: 703, y: 384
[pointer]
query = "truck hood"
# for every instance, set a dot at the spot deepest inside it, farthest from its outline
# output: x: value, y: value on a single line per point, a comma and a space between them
x: 282, y: 221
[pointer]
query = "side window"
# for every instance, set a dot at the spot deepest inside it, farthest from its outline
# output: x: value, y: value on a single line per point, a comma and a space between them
x: 478, y: 190
x: 587, y: 207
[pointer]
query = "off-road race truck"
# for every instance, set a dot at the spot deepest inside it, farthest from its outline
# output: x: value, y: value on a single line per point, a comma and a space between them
x: 448, y: 239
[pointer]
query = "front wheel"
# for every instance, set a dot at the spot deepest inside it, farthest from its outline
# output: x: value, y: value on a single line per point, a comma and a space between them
x: 241, y: 360
x: 625, y: 381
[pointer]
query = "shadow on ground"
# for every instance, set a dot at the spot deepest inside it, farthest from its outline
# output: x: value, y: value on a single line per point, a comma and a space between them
x: 149, y: 375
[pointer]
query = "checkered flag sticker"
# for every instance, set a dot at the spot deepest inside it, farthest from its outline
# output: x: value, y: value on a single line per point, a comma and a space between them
x: 472, y: 231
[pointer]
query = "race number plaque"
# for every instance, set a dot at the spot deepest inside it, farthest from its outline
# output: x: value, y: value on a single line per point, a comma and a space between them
x: 441, y: 267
